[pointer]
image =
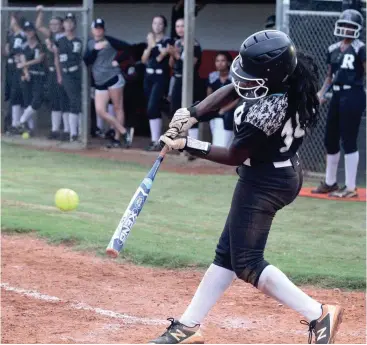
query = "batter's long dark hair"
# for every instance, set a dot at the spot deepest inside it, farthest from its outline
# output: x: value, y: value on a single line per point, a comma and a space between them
x: 302, y: 92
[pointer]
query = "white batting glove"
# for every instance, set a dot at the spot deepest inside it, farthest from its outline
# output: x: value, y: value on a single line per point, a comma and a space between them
x: 175, y: 143
x: 182, y: 121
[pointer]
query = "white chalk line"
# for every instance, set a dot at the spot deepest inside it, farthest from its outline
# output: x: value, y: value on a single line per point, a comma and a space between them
x: 82, y: 306
x: 229, y: 323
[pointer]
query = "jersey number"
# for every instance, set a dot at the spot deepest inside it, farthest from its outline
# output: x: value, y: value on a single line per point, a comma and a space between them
x: 17, y: 43
x: 289, y: 133
x: 63, y: 57
x: 76, y: 47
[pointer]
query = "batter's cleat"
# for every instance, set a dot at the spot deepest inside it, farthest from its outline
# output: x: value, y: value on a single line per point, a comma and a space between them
x: 326, y: 326
x: 344, y: 193
x: 324, y: 188
x: 177, y: 333
x: 126, y: 138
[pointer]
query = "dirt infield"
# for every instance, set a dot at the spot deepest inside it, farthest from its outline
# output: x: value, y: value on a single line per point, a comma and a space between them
x: 51, y: 294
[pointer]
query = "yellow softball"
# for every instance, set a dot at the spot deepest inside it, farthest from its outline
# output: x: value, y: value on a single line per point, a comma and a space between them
x: 25, y: 135
x: 66, y: 199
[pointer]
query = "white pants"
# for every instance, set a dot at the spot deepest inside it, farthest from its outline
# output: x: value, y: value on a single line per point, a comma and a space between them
x: 221, y: 137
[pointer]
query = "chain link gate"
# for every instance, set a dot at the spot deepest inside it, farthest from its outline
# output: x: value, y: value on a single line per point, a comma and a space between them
x: 42, y: 117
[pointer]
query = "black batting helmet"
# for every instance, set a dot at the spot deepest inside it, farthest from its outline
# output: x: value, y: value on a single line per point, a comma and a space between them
x: 267, y: 58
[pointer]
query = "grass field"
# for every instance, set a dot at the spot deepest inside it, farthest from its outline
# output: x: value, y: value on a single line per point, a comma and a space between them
x: 314, y: 241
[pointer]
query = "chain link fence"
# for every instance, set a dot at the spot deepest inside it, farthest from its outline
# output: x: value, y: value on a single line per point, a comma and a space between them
x: 313, y: 32
x: 42, y: 84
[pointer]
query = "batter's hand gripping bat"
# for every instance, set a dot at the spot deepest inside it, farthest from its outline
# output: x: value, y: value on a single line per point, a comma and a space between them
x: 135, y: 206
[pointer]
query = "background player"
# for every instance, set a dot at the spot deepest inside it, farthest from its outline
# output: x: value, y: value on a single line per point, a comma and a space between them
x: 156, y: 80
x: 108, y: 81
x: 55, y: 92
x: 221, y: 125
x: 346, y: 68
x: 33, y: 81
x: 68, y: 69
x: 14, y: 49
x: 270, y: 124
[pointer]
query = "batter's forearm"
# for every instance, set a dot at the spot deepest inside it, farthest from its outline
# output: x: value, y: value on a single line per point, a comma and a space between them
x: 224, y: 156
x: 216, y: 100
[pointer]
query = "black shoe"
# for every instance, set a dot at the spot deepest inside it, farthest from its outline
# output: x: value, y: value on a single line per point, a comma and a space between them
x: 114, y: 144
x: 21, y: 128
x: 99, y: 133
x: 326, y: 326
x: 324, y: 188
x: 344, y: 193
x: 127, y: 138
x: 177, y: 333
x: 12, y: 131
x: 73, y: 138
x: 154, y: 146
x: 65, y: 136
x: 53, y: 135
x: 110, y: 134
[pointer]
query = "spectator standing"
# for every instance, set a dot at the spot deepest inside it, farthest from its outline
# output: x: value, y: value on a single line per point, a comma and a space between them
x: 34, y: 74
x: 346, y: 62
x: 68, y: 57
x: 178, y: 12
x: 157, y: 74
x: 55, y: 91
x: 176, y: 62
x: 221, y: 125
x: 13, y: 50
x: 101, y: 54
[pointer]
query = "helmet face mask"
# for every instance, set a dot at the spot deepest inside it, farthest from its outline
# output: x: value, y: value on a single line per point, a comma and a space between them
x: 347, y: 29
x: 248, y: 88
x: 349, y: 24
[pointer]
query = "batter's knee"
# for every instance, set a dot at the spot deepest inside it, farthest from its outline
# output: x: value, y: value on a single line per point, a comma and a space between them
x: 350, y: 145
x: 331, y: 142
x: 249, y: 267
x: 223, y: 259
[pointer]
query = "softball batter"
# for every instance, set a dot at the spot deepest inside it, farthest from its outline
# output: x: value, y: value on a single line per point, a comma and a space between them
x: 269, y: 126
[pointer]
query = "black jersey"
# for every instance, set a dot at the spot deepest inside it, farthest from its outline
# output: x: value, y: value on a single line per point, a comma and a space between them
x: 34, y: 53
x: 214, y: 81
x: 266, y: 129
x: 347, y: 65
x: 50, y: 56
x: 70, y: 51
x: 16, y: 45
x: 178, y: 66
x: 152, y: 61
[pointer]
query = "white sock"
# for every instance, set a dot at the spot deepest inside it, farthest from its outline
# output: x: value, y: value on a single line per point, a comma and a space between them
x: 73, y: 123
x: 351, y: 165
x: 194, y: 133
x: 65, y: 121
x: 228, y: 137
x: 30, y: 123
x: 274, y: 283
x: 27, y: 114
x: 80, y: 125
x: 155, y: 129
x: 16, y: 113
x: 217, y: 129
x: 332, y: 162
x: 55, y: 120
x: 214, y: 283
x: 100, y: 123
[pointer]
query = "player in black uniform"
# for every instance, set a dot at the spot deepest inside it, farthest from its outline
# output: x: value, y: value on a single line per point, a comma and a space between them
x: 176, y: 62
x: 55, y: 92
x: 221, y: 125
x: 34, y: 75
x: 269, y: 127
x: 156, y: 58
x: 13, y: 50
x: 346, y: 71
x: 69, y: 53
